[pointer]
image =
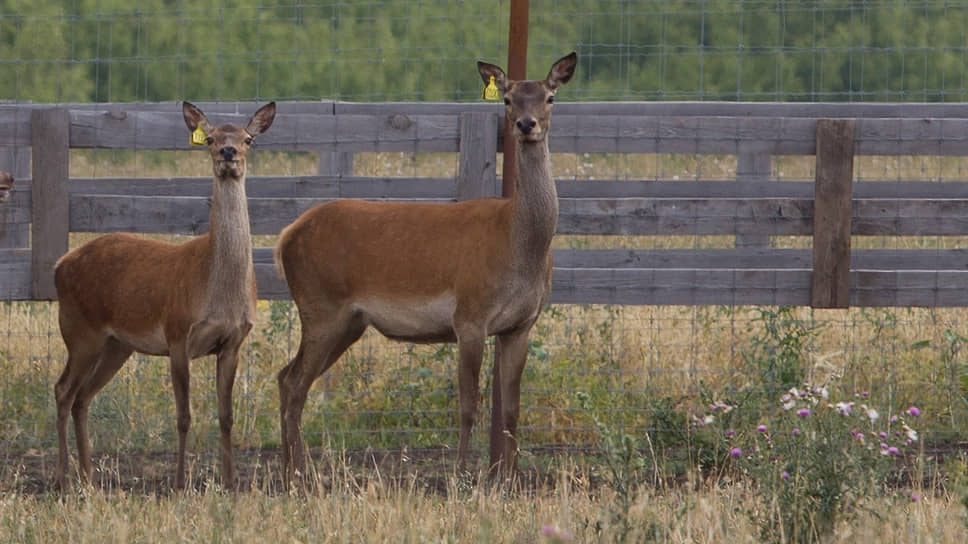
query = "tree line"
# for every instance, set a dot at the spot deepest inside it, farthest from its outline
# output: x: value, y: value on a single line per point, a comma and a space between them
x: 155, y: 50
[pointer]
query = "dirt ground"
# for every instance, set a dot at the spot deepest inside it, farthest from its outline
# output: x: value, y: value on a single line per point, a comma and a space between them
x: 152, y: 473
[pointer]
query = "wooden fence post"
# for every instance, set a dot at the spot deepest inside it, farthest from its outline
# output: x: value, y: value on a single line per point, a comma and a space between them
x: 50, y: 212
x: 832, y: 211
x: 476, y: 175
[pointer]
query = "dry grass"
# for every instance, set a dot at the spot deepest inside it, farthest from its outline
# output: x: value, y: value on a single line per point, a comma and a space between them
x: 366, y: 506
x: 637, y: 353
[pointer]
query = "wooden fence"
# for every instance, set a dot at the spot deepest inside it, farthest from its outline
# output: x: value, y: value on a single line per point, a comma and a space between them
x: 46, y: 205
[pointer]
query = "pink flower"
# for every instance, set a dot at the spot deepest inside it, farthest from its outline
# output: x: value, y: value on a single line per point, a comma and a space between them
x: 914, y: 411
x: 915, y: 497
x: 735, y: 452
x: 795, y: 431
x: 761, y: 428
x: 803, y: 412
x: 894, y: 451
x: 729, y: 433
x: 554, y: 533
x: 785, y: 475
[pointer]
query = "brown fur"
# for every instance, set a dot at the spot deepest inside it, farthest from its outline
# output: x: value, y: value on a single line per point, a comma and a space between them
x: 121, y: 293
x: 430, y: 273
x: 6, y: 185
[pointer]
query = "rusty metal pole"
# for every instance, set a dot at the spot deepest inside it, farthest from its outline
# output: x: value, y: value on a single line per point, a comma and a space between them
x: 517, y: 69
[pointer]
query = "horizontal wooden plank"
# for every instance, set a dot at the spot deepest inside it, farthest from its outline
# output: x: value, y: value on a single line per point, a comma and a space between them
x: 621, y: 216
x: 176, y: 214
x: 572, y: 133
x: 120, y: 129
x: 15, y: 126
x: 752, y: 287
x: 275, y: 187
x: 758, y: 258
x: 731, y: 188
x: 443, y: 188
x: 15, y: 279
x: 681, y: 216
x: 649, y: 286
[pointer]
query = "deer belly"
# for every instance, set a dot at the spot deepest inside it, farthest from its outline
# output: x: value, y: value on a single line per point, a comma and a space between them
x: 415, y: 320
x: 150, y: 342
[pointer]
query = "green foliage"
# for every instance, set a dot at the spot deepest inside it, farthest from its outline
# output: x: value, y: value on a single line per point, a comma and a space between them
x: 621, y: 469
x: 776, y: 353
x: 113, y: 50
x: 815, y: 462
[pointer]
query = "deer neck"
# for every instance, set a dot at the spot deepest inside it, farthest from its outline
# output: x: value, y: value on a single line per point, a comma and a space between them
x: 534, y: 204
x: 231, y: 245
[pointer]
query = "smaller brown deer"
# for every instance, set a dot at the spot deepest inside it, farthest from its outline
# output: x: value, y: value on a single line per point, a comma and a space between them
x: 120, y: 293
x: 6, y: 185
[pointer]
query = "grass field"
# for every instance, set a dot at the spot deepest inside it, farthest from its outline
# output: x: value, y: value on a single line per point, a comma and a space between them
x: 599, y: 378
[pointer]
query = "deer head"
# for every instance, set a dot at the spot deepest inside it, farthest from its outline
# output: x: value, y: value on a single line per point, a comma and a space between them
x: 229, y: 144
x: 528, y: 103
x: 6, y: 185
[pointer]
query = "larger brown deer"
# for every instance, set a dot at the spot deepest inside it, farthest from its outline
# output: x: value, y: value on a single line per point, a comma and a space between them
x: 423, y: 272
x: 121, y: 293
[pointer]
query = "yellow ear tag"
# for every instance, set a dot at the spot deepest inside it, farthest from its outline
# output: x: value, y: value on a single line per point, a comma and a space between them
x: 198, y: 136
x: 490, y: 91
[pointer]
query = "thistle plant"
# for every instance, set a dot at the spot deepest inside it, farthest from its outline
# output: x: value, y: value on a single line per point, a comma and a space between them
x: 814, y: 460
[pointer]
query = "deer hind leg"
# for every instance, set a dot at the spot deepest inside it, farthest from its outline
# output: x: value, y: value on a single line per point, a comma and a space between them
x: 511, y: 353
x: 322, y: 344
x: 226, y: 365
x: 180, y: 380
x: 470, y: 348
x: 113, y: 356
x: 82, y: 357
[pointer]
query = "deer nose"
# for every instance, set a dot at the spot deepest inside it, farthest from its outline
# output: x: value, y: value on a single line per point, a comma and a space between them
x: 525, y: 125
x: 228, y: 153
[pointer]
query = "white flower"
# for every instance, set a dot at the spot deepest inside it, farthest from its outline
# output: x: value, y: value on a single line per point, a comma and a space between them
x: 708, y: 419
x: 872, y: 414
x: 844, y: 408
x: 911, y: 433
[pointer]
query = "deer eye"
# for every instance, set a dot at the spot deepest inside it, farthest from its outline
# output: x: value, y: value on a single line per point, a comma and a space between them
x: 507, y: 101
x: 248, y: 141
x: 551, y: 99
x: 209, y: 140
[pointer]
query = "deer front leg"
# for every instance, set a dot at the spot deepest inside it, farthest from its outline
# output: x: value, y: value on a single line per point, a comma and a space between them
x: 226, y: 367
x: 470, y: 347
x: 179, y: 381
x: 511, y: 353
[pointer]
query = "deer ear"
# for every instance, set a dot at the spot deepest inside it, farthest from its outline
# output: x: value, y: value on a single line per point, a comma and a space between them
x: 488, y: 71
x: 262, y: 119
x: 562, y: 70
x: 194, y: 118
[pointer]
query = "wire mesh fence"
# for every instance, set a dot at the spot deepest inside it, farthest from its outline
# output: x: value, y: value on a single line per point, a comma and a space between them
x: 646, y: 369
x: 149, y: 51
